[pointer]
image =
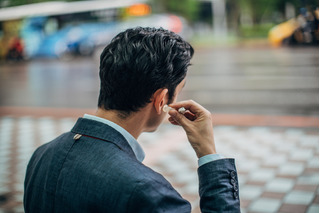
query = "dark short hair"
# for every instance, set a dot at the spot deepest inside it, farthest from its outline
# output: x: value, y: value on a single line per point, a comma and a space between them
x: 137, y: 63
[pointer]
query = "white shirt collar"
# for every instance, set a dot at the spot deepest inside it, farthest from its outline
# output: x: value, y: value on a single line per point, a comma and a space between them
x: 137, y: 149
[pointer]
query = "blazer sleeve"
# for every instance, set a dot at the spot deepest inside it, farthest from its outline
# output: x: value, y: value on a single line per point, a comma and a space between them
x: 153, y: 196
x: 218, y: 187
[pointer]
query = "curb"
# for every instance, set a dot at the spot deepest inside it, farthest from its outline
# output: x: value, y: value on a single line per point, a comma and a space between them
x: 218, y: 119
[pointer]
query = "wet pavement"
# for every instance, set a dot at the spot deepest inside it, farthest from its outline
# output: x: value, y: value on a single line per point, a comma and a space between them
x: 225, y: 80
x: 251, y: 80
x: 265, y: 110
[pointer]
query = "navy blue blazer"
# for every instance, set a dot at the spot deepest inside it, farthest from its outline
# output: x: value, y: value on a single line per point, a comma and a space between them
x: 99, y: 172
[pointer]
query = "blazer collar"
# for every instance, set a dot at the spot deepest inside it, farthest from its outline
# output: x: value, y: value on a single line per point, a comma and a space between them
x: 95, y: 129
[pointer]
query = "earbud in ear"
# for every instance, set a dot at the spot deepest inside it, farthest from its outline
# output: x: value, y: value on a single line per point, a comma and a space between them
x: 166, y: 108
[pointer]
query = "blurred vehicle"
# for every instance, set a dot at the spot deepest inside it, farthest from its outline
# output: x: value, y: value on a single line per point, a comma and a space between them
x: 68, y: 29
x: 11, y: 44
x: 303, y: 29
x: 83, y: 39
x: 15, y: 50
x: 71, y: 40
x: 58, y: 29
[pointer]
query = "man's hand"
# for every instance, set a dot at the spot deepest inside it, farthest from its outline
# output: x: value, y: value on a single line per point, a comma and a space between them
x: 197, y: 123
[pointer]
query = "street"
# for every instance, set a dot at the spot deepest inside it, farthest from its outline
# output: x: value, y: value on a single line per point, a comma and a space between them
x: 238, y: 80
x: 260, y: 81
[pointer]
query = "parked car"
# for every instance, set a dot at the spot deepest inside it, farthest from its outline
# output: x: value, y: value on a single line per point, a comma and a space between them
x: 81, y: 39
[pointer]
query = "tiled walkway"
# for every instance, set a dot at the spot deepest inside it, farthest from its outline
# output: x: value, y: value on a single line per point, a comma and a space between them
x: 278, y: 166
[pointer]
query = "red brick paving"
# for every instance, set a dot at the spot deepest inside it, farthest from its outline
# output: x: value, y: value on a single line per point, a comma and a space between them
x: 218, y: 119
x: 241, y: 121
x: 275, y: 195
x: 292, y: 208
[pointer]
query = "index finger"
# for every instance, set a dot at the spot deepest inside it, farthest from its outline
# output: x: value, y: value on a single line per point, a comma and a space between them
x: 190, y: 105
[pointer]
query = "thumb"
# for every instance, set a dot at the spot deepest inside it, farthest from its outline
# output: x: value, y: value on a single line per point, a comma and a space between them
x: 179, y: 118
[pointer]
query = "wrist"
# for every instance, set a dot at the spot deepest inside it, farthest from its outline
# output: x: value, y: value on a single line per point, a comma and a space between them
x: 202, y: 151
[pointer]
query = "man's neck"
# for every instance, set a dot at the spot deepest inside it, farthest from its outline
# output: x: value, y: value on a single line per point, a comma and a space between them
x: 133, y: 123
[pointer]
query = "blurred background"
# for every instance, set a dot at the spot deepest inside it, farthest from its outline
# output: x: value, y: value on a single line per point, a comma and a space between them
x: 256, y: 68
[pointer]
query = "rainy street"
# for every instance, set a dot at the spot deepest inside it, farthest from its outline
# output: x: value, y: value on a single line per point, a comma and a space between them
x: 240, y: 80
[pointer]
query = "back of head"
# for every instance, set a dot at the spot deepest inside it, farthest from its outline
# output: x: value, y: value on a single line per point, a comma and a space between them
x: 137, y: 63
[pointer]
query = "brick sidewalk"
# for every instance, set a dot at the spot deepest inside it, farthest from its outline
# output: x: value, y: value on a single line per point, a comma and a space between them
x: 278, y: 165
x: 218, y: 119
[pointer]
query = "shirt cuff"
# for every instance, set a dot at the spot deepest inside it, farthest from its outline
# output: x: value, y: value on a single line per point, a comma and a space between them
x: 209, y: 158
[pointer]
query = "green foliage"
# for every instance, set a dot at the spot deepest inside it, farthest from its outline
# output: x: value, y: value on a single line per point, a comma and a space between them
x: 186, y: 8
x: 256, y: 31
x: 259, y: 8
x: 262, y: 14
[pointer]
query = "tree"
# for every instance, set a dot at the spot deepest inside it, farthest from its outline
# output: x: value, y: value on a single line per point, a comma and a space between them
x: 259, y: 8
x: 186, y: 8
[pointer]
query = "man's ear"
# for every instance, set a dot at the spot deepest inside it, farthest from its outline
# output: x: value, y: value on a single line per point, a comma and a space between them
x: 160, y: 98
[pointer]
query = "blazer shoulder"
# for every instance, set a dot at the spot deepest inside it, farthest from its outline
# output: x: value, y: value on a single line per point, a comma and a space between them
x: 153, y: 193
x: 141, y: 173
x: 52, y: 146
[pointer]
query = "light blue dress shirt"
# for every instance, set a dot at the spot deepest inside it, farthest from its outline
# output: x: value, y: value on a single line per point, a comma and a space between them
x: 135, y: 146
